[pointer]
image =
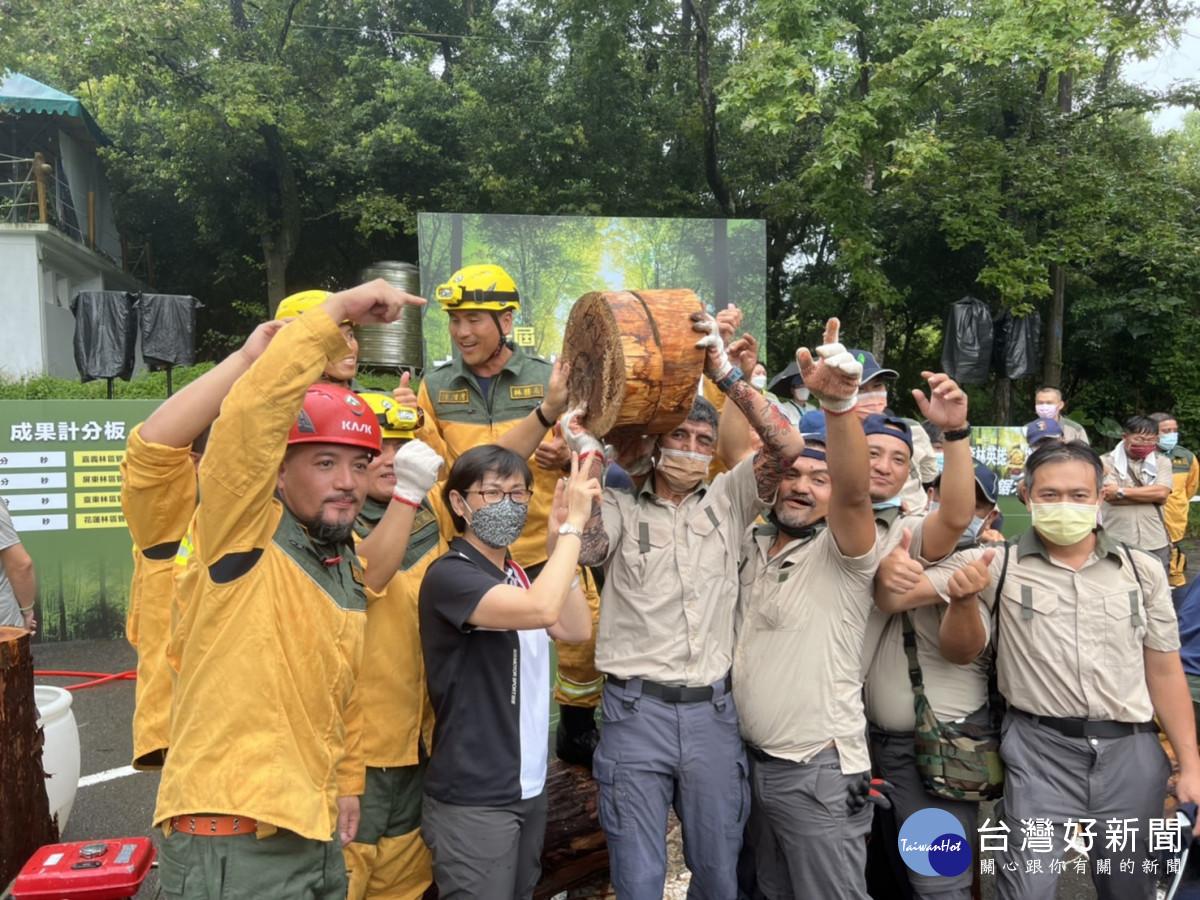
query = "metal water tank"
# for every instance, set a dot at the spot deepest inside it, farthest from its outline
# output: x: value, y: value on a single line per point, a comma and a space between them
x: 399, y: 345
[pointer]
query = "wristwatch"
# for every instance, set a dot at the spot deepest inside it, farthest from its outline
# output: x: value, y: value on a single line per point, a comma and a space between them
x: 1120, y: 493
x: 568, y: 528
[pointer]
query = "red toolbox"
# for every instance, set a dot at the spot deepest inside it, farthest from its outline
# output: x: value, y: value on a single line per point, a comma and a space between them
x: 85, y: 870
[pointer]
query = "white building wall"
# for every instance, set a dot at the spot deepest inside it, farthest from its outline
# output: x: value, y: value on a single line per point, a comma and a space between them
x: 21, y: 346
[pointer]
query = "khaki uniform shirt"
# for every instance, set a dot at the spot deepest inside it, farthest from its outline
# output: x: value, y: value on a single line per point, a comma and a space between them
x: 802, y: 614
x: 670, y: 588
x: 922, y: 469
x: 1140, y: 524
x: 889, y: 524
x: 954, y: 691
x: 1071, y: 643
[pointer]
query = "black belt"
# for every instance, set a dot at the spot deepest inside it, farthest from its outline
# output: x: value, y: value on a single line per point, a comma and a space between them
x: 763, y: 756
x: 674, y: 693
x: 1085, y: 728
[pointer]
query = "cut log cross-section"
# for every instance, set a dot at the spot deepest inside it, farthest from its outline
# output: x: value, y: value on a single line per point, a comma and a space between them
x: 634, y: 363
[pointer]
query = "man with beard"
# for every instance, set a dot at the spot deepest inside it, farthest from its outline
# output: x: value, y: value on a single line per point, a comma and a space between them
x: 264, y: 771
x: 803, y: 602
x: 670, y: 548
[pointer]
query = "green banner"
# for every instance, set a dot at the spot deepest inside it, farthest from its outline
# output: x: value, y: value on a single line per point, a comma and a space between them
x: 60, y: 478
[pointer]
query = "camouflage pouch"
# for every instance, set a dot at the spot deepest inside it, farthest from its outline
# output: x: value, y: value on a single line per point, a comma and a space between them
x: 957, y: 760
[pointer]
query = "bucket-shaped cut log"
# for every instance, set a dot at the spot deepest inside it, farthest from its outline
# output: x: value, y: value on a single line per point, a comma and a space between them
x: 634, y: 362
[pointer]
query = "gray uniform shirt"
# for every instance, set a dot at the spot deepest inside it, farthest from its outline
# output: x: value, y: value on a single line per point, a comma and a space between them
x: 670, y: 588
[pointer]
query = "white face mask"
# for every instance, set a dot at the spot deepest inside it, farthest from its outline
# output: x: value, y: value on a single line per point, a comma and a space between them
x: 759, y: 381
x: 873, y: 401
x: 800, y: 394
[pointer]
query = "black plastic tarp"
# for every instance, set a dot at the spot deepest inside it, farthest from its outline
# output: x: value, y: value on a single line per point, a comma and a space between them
x: 1023, y: 348
x: 168, y: 328
x: 967, y: 347
x: 105, y: 334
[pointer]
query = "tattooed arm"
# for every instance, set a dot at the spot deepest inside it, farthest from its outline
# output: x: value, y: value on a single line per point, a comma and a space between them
x: 587, y: 447
x: 781, y: 442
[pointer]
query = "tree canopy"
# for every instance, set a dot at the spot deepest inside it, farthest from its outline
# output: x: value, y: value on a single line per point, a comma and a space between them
x: 903, y: 155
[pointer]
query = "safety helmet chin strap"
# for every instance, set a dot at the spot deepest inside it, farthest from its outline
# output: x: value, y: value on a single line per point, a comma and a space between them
x: 503, y: 337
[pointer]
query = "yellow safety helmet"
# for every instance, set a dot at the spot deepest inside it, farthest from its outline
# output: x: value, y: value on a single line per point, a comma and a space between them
x: 487, y: 287
x: 294, y: 305
x: 397, y: 422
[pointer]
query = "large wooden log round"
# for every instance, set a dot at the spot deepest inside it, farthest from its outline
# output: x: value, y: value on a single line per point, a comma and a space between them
x: 24, y: 806
x: 575, y: 852
x: 634, y: 362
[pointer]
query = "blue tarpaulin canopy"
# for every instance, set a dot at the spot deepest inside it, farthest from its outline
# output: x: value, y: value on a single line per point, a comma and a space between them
x: 22, y: 94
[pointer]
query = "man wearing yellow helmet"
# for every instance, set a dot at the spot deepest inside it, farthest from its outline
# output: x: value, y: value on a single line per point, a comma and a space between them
x: 493, y: 386
x: 340, y: 371
x: 387, y: 858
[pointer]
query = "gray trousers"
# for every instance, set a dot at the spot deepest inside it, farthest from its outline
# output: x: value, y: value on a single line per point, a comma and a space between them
x: 655, y: 755
x: 895, y: 759
x: 485, y: 852
x: 1052, y: 776
x: 806, y: 840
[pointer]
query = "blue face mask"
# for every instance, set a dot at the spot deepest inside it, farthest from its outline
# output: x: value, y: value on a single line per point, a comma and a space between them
x: 887, y: 504
x: 1167, y: 442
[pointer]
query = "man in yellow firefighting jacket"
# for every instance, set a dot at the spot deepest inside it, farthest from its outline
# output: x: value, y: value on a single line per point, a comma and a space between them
x: 265, y: 766
x: 158, y: 497
x: 387, y: 858
x: 1186, y: 473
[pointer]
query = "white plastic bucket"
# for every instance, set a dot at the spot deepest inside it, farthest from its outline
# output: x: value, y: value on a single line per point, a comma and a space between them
x: 60, y: 752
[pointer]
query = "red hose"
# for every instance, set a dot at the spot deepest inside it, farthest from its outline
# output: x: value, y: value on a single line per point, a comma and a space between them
x: 97, y: 677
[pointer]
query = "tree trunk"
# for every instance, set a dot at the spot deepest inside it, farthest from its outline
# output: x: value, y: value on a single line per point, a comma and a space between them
x: 708, y: 109
x: 878, y: 332
x: 279, y: 243
x: 574, y: 852
x: 1053, y: 360
x: 1002, y: 402
x: 26, y: 809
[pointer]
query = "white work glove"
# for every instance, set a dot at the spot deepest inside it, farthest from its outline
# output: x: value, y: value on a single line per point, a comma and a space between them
x: 416, y: 466
x: 833, y: 378
x: 579, y: 440
x: 716, y: 361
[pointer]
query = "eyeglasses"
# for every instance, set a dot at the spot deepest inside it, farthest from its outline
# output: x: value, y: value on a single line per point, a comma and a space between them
x: 1143, y: 442
x: 495, y: 495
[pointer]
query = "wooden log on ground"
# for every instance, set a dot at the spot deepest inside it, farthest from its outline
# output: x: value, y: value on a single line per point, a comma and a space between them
x: 25, y: 808
x: 634, y: 362
x: 575, y: 851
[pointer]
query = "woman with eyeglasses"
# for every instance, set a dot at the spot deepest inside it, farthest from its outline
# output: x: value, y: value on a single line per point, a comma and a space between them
x: 485, y: 630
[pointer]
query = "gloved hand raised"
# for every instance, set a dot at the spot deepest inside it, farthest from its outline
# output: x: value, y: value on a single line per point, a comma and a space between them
x: 416, y: 466
x: 717, y: 366
x: 834, y: 376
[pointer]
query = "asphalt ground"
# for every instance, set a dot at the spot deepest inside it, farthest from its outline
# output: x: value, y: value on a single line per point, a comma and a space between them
x: 124, y: 805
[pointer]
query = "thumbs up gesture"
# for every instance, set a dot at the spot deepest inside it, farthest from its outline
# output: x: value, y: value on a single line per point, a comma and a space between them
x: 898, y: 572
x: 971, y: 579
x: 403, y: 394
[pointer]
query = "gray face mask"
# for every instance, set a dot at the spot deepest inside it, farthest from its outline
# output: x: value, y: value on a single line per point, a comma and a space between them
x: 499, y: 524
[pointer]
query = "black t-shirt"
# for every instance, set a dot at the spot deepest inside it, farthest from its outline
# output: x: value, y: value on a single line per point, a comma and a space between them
x: 489, y: 689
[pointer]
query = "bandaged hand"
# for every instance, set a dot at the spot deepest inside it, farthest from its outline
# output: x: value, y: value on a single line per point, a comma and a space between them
x: 834, y: 376
x: 580, y: 440
x: 416, y: 466
x: 717, y: 366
